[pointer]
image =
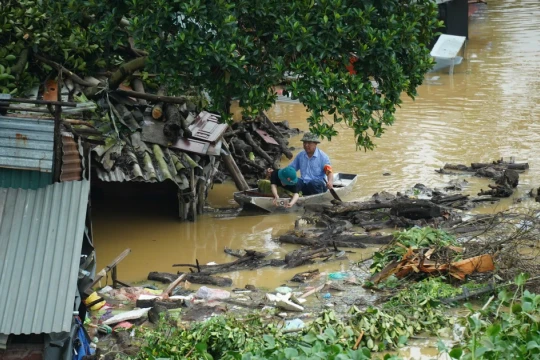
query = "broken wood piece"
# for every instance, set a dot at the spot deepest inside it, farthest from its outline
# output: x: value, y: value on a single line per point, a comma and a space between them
x: 157, y: 110
x: 171, y: 287
x: 139, y: 87
x: 100, y: 275
x: 313, y: 291
x: 481, y: 263
x: 357, y: 343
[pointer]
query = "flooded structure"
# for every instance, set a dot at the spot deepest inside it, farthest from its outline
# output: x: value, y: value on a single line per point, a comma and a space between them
x: 46, y: 250
x: 455, y: 15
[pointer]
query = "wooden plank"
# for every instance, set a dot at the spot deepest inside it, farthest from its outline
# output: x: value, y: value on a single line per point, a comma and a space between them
x: 207, y: 127
x: 100, y: 275
x: 266, y: 137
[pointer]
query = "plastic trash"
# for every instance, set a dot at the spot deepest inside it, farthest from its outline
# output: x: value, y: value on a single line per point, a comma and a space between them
x: 105, y: 290
x: 150, y: 287
x: 283, y: 290
x: 338, y: 276
x: 327, y: 296
x: 294, y: 324
x: 212, y: 294
x: 94, y: 302
x: 129, y: 315
x: 104, y: 329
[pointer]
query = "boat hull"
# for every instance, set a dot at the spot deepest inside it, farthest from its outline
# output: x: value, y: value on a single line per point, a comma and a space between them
x: 251, y: 199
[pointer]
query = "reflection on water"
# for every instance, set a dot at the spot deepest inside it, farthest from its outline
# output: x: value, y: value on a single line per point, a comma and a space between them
x: 486, y: 110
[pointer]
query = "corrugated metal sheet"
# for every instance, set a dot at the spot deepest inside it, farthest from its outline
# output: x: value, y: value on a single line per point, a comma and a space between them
x: 26, y: 143
x: 71, y: 159
x: 24, y: 179
x: 41, y: 235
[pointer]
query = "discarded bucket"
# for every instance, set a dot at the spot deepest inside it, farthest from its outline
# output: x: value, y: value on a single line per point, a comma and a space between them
x: 94, y: 302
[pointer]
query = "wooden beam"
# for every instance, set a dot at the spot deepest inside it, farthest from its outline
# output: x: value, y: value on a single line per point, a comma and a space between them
x: 155, y: 98
x: 40, y: 102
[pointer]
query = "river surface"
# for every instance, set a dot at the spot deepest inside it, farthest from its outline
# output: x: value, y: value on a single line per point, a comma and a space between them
x: 488, y: 109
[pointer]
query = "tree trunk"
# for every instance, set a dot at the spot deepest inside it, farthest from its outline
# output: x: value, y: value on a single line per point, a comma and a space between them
x: 126, y: 70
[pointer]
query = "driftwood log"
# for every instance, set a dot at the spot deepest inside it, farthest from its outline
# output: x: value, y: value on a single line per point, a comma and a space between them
x: 249, y: 261
x: 346, y: 241
x: 195, y: 278
x: 305, y: 256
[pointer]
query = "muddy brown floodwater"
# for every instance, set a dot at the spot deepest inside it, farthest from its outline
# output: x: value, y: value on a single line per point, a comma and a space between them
x: 488, y: 109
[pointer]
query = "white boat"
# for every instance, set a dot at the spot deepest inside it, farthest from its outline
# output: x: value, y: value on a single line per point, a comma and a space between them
x: 254, y: 200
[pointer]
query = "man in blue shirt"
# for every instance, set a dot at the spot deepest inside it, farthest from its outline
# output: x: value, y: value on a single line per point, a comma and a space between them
x: 314, y: 165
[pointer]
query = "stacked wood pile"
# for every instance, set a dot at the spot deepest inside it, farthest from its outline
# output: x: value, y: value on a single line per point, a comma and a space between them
x: 256, y: 145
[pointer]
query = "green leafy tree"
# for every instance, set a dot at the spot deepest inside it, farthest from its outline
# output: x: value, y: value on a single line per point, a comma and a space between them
x: 238, y: 49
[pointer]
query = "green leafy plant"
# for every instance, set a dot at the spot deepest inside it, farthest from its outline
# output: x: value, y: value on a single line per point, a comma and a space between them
x: 506, y: 328
x: 412, y: 310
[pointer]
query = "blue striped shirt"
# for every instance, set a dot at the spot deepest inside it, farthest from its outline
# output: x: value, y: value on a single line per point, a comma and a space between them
x: 311, y: 168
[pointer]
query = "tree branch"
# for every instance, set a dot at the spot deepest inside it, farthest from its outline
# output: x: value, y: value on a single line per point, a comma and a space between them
x: 21, y: 63
x: 65, y: 71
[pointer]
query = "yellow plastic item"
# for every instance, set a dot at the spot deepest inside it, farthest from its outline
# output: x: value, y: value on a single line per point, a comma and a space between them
x: 92, y: 298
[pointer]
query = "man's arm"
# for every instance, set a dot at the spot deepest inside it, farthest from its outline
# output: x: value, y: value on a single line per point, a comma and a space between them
x: 329, y: 174
x: 293, y: 201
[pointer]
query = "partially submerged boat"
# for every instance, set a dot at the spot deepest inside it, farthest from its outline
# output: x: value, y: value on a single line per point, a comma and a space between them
x: 252, y: 199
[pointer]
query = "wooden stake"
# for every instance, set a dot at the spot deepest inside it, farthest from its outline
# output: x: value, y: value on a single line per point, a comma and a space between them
x: 171, y: 287
x: 358, y: 340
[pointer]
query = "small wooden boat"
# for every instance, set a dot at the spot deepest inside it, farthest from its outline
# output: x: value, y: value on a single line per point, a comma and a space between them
x: 254, y: 200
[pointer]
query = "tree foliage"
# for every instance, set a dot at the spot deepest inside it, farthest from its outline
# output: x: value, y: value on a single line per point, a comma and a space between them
x: 239, y: 49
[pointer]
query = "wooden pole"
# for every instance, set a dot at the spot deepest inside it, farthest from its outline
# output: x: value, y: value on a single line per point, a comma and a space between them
x: 57, y: 156
x: 230, y: 164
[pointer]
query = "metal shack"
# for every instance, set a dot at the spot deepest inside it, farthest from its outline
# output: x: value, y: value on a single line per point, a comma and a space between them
x: 46, y: 252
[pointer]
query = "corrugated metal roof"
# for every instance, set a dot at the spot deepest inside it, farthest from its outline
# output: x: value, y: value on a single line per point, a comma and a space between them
x: 26, y: 143
x: 71, y: 159
x: 24, y: 179
x: 41, y: 235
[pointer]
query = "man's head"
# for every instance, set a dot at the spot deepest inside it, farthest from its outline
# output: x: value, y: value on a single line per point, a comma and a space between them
x: 310, y: 142
x: 287, y: 176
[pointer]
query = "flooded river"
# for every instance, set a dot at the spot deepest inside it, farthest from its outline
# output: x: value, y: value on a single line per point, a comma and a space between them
x: 486, y: 110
